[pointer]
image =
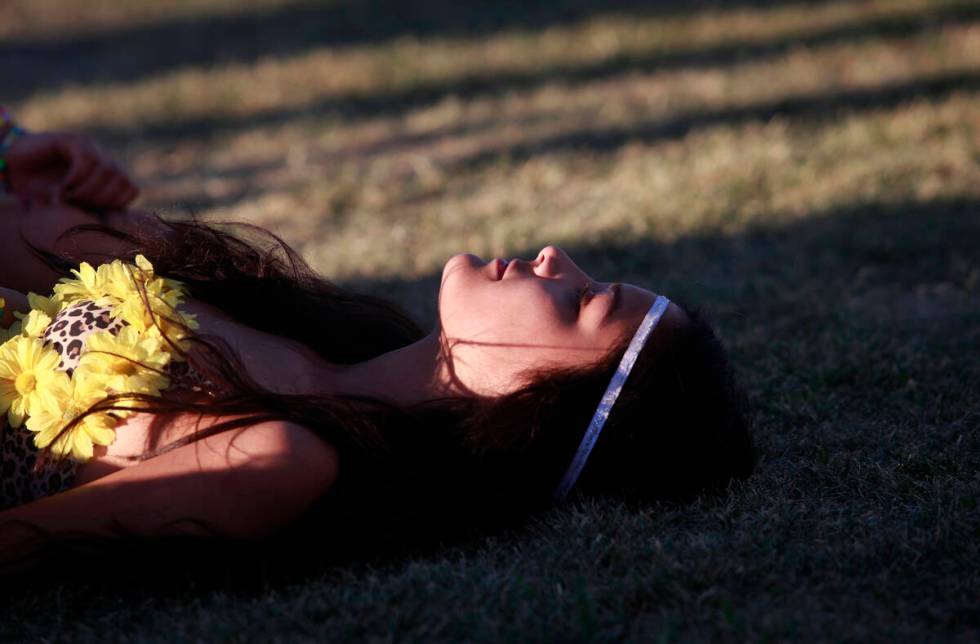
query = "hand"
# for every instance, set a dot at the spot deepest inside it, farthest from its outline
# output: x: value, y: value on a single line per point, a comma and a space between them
x: 67, y: 168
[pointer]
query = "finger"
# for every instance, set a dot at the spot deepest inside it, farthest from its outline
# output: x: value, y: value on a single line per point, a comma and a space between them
x: 131, y: 193
x: 84, y: 170
x: 81, y: 161
x: 108, y: 161
x: 125, y: 195
x: 92, y: 184
x: 111, y: 194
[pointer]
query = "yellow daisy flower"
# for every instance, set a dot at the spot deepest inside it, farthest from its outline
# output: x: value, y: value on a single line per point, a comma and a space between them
x: 73, y: 398
x: 34, y: 323
x: 45, y: 304
x: 165, y: 318
x: 132, y: 361
x: 127, y: 362
x: 121, y: 280
x: 112, y: 280
x: 144, y: 265
x: 86, y: 286
x: 134, y: 311
x: 115, y: 279
x: 133, y: 287
x: 118, y: 279
x: 28, y: 377
x: 167, y: 284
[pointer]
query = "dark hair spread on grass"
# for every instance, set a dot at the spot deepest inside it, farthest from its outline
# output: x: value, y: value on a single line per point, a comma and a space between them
x: 678, y: 428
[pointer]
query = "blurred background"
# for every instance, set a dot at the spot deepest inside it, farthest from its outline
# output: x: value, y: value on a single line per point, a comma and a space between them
x: 808, y: 172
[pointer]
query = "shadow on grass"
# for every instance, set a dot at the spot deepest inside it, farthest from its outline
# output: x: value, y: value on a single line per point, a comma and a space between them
x: 129, y: 54
x: 814, y: 108
x: 804, y: 307
x: 386, y: 103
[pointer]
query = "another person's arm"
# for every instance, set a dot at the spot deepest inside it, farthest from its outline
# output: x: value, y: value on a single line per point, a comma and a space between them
x: 59, y: 181
x: 57, y: 167
x: 24, y: 232
x: 54, y: 182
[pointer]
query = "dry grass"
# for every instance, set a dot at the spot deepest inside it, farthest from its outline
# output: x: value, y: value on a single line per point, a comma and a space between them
x: 299, y: 143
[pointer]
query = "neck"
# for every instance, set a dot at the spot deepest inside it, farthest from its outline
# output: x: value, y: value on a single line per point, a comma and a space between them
x: 406, y: 376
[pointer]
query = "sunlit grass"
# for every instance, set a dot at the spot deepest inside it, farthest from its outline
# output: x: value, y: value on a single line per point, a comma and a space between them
x: 692, y: 149
x: 30, y: 19
x: 409, y: 63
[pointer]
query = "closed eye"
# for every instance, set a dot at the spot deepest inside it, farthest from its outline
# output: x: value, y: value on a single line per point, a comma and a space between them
x: 585, y: 294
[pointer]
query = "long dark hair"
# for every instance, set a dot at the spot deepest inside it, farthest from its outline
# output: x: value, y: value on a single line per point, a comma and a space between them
x: 451, y: 465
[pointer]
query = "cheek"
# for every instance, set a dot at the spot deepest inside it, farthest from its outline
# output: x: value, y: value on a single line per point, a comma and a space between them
x: 474, y: 307
x: 478, y: 314
x: 516, y: 320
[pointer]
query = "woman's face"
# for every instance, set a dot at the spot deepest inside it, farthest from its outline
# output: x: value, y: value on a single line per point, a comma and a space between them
x: 502, y: 318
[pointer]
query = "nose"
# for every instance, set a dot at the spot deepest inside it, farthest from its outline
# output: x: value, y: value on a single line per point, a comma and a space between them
x: 552, y: 261
x: 550, y: 251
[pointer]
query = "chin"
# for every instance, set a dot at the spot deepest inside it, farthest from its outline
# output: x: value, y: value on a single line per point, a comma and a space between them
x: 463, y: 266
x: 461, y: 262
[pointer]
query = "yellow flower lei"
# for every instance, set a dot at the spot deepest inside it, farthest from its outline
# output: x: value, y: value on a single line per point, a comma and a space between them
x: 35, y: 393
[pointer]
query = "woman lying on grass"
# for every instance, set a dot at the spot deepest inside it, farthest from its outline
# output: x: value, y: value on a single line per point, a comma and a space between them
x: 190, y: 381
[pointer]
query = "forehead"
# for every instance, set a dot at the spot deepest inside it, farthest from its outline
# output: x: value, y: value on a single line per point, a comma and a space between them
x: 634, y: 302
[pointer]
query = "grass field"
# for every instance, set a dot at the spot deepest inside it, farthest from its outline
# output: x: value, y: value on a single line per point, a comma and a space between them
x: 808, y: 173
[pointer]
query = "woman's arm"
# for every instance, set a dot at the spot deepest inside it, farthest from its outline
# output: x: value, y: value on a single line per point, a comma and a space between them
x: 43, y: 227
x: 243, y: 483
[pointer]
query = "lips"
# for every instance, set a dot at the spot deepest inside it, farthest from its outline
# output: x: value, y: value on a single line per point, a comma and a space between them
x: 500, y: 265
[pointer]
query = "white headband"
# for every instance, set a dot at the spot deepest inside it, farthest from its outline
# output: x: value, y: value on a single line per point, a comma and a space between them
x: 609, y: 398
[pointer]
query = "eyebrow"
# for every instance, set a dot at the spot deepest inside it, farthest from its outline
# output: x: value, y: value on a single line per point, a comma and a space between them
x: 617, y: 300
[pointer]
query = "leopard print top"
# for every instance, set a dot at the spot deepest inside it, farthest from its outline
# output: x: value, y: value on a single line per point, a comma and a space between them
x: 65, y: 334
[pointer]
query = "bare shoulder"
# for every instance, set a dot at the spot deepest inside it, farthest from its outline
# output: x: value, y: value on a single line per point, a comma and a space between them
x: 300, y: 449
x: 286, y: 463
x: 284, y: 455
x: 264, y: 475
